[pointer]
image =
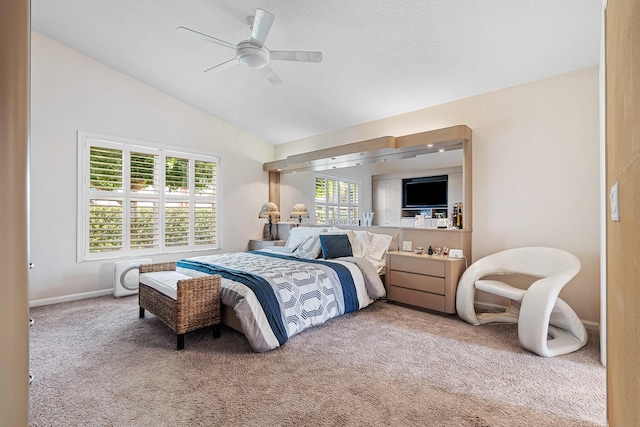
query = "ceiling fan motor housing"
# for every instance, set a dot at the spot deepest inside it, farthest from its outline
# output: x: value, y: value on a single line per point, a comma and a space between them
x: 252, y: 56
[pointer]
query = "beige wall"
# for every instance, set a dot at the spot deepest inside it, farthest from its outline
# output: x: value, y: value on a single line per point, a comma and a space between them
x: 535, y: 169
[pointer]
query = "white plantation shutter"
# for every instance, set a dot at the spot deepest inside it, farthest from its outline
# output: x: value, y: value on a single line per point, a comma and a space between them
x: 106, y: 225
x: 106, y: 197
x: 205, y: 176
x: 170, y: 199
x: 321, y: 200
x: 337, y: 200
x: 177, y: 202
x: 205, y: 225
x: 205, y: 202
x: 144, y: 223
x: 176, y: 232
x: 144, y: 200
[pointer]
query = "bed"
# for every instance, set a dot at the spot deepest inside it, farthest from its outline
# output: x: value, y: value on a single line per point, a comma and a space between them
x: 275, y: 293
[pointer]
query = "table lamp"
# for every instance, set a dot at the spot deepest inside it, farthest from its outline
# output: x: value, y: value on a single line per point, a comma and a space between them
x: 299, y: 211
x: 269, y: 210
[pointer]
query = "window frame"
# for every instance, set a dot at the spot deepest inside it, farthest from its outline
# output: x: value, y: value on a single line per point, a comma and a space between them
x: 339, y: 180
x: 86, y: 140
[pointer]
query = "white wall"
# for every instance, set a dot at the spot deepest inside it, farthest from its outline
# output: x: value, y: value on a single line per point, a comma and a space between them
x: 72, y: 92
x: 535, y: 168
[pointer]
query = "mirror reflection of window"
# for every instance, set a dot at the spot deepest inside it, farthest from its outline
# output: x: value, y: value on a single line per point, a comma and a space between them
x: 337, y: 200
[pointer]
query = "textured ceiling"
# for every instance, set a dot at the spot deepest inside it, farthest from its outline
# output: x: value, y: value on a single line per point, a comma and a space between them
x: 381, y: 58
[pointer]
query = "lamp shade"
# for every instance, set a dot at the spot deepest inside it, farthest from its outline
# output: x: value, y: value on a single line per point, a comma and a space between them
x: 269, y: 209
x: 299, y: 210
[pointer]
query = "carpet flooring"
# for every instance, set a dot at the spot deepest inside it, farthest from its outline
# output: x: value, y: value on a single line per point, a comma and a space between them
x: 95, y: 363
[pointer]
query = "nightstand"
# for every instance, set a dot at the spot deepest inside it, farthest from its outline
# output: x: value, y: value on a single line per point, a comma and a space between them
x: 426, y: 281
x: 261, y: 244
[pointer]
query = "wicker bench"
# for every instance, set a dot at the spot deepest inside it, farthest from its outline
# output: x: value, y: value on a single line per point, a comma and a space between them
x: 195, y: 304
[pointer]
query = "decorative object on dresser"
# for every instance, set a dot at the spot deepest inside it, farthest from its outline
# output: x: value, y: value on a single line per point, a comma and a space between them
x: 299, y: 211
x: 456, y: 215
x: 269, y: 210
x: 537, y: 310
x: 367, y: 219
x: 183, y: 303
x: 426, y: 281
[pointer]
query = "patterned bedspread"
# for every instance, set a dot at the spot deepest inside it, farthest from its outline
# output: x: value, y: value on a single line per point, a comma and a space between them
x: 276, y: 296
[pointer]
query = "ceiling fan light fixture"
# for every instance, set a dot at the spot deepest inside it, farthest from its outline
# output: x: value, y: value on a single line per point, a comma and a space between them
x: 251, y: 55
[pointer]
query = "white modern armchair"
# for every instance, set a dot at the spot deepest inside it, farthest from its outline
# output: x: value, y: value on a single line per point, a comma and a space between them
x: 538, y: 311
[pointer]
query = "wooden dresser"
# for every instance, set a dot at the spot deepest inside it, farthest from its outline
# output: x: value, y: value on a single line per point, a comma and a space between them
x: 426, y: 281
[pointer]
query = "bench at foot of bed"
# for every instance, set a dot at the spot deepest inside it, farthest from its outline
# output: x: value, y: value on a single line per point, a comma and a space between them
x: 183, y: 303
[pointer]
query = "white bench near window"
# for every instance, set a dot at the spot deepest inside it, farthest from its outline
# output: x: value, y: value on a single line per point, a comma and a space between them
x: 183, y: 303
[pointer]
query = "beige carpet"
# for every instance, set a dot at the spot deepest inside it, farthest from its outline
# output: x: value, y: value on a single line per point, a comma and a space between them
x: 96, y: 364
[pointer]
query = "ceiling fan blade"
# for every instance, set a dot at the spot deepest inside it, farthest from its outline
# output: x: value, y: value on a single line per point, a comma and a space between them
x: 198, y: 34
x: 292, y: 55
x: 273, y: 78
x: 261, y: 26
x: 222, y: 66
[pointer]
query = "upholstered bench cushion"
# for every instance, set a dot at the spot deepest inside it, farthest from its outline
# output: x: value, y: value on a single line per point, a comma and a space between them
x: 165, y: 282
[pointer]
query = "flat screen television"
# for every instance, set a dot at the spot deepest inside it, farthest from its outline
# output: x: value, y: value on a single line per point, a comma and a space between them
x: 427, y: 192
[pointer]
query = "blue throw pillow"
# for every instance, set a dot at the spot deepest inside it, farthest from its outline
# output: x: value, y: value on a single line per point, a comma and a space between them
x: 335, y: 245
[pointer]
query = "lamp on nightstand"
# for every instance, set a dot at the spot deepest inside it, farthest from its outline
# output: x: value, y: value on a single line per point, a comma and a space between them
x: 269, y: 210
x: 299, y: 211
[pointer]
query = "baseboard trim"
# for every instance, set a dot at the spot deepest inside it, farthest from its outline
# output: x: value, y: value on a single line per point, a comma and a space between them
x: 591, y: 326
x: 72, y: 297
x: 486, y: 306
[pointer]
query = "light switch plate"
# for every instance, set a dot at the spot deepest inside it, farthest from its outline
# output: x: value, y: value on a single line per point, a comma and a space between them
x: 613, y: 197
x: 407, y: 245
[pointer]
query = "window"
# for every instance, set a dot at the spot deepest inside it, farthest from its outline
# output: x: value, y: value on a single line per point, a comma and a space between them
x: 337, y: 200
x: 141, y: 200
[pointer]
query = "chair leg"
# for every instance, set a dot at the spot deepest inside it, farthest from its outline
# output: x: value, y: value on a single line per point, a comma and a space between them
x: 141, y: 312
x: 180, y: 342
x: 216, y: 331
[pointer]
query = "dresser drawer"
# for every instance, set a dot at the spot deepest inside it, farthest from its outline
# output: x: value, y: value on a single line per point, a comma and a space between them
x: 417, y: 298
x: 414, y: 265
x: 418, y: 282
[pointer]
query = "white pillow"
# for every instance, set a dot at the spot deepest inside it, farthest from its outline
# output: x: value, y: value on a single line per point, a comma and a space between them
x: 298, y: 235
x: 309, y: 249
x: 360, y: 244
x: 378, y: 245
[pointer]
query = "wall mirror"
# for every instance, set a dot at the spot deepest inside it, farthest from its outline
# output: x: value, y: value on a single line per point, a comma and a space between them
x: 372, y: 162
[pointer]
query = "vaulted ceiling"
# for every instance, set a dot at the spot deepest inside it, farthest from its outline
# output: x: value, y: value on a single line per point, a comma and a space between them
x: 380, y: 57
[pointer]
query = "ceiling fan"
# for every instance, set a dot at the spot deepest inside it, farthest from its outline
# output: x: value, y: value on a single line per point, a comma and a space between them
x: 253, y: 53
